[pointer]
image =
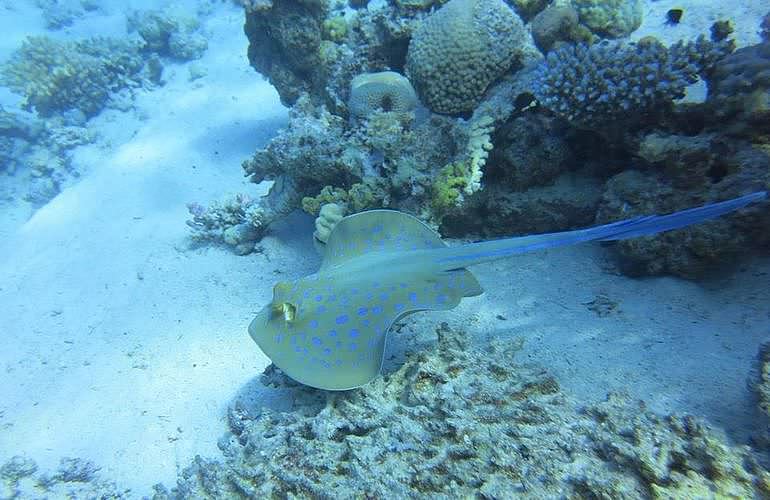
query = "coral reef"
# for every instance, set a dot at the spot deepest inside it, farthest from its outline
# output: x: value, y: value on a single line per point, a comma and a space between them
x: 740, y: 85
x: 37, y: 153
x: 462, y: 48
x: 460, y: 420
x: 284, y: 45
x: 759, y: 384
x: 56, y: 76
x: 537, y: 140
x: 610, y: 18
x: 238, y: 222
x: 594, y: 86
x: 20, y: 477
x: 384, y: 91
x: 169, y: 32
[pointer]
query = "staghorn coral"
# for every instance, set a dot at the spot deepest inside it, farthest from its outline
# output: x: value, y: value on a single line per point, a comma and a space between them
x: 384, y: 91
x: 461, y: 49
x: 610, y: 18
x: 56, y: 76
x: 595, y: 86
x: 462, y: 419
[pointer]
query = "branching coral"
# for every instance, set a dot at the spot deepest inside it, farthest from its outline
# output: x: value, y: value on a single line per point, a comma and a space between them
x: 597, y: 85
x: 56, y: 76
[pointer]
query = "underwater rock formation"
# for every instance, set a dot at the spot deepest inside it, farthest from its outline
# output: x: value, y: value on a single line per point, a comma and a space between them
x: 739, y: 89
x: 536, y: 142
x: 169, y: 32
x: 463, y: 419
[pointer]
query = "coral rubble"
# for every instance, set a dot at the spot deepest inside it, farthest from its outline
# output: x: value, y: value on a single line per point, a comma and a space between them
x: 464, y: 419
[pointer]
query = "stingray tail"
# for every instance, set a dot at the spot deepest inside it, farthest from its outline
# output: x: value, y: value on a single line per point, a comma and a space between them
x: 475, y: 253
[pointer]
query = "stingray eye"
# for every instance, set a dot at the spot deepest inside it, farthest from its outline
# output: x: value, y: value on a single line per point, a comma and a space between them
x: 285, y: 309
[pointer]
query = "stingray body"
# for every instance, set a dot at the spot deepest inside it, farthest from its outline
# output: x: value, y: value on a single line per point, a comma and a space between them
x: 328, y: 330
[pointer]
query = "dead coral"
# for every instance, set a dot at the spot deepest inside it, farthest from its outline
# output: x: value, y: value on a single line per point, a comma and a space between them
x: 463, y: 419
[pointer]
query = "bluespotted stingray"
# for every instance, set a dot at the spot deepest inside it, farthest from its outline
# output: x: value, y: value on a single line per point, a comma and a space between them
x: 328, y: 330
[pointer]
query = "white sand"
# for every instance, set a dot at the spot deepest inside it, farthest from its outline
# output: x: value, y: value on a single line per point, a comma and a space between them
x: 123, y: 346
x: 120, y: 344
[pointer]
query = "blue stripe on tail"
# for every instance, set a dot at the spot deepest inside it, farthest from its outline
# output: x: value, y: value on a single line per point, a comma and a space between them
x: 621, y: 230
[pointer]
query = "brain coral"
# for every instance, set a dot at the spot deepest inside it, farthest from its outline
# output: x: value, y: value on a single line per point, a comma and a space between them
x: 385, y: 91
x: 460, y: 49
x: 610, y: 18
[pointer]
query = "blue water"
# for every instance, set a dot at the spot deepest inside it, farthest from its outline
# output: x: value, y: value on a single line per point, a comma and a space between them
x: 134, y: 253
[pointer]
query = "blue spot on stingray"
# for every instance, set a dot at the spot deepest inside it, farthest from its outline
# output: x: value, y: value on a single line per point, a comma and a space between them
x: 316, y: 341
x: 440, y: 299
x: 325, y: 363
x: 278, y: 339
x: 398, y: 307
x: 365, y: 322
x: 384, y: 296
x: 353, y: 333
x: 320, y: 309
x: 353, y: 346
x: 412, y: 297
x: 338, y: 362
x: 378, y: 228
x: 369, y: 295
x: 297, y: 349
x: 338, y: 344
x: 332, y: 333
x: 354, y: 291
x: 306, y: 294
x: 342, y: 319
x: 376, y: 309
x: 363, y: 311
x: 327, y: 351
x: 331, y: 298
x: 313, y: 323
x: 402, y: 285
x: 319, y: 298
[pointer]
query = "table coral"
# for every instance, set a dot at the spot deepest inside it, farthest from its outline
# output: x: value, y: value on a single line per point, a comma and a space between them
x: 384, y: 91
